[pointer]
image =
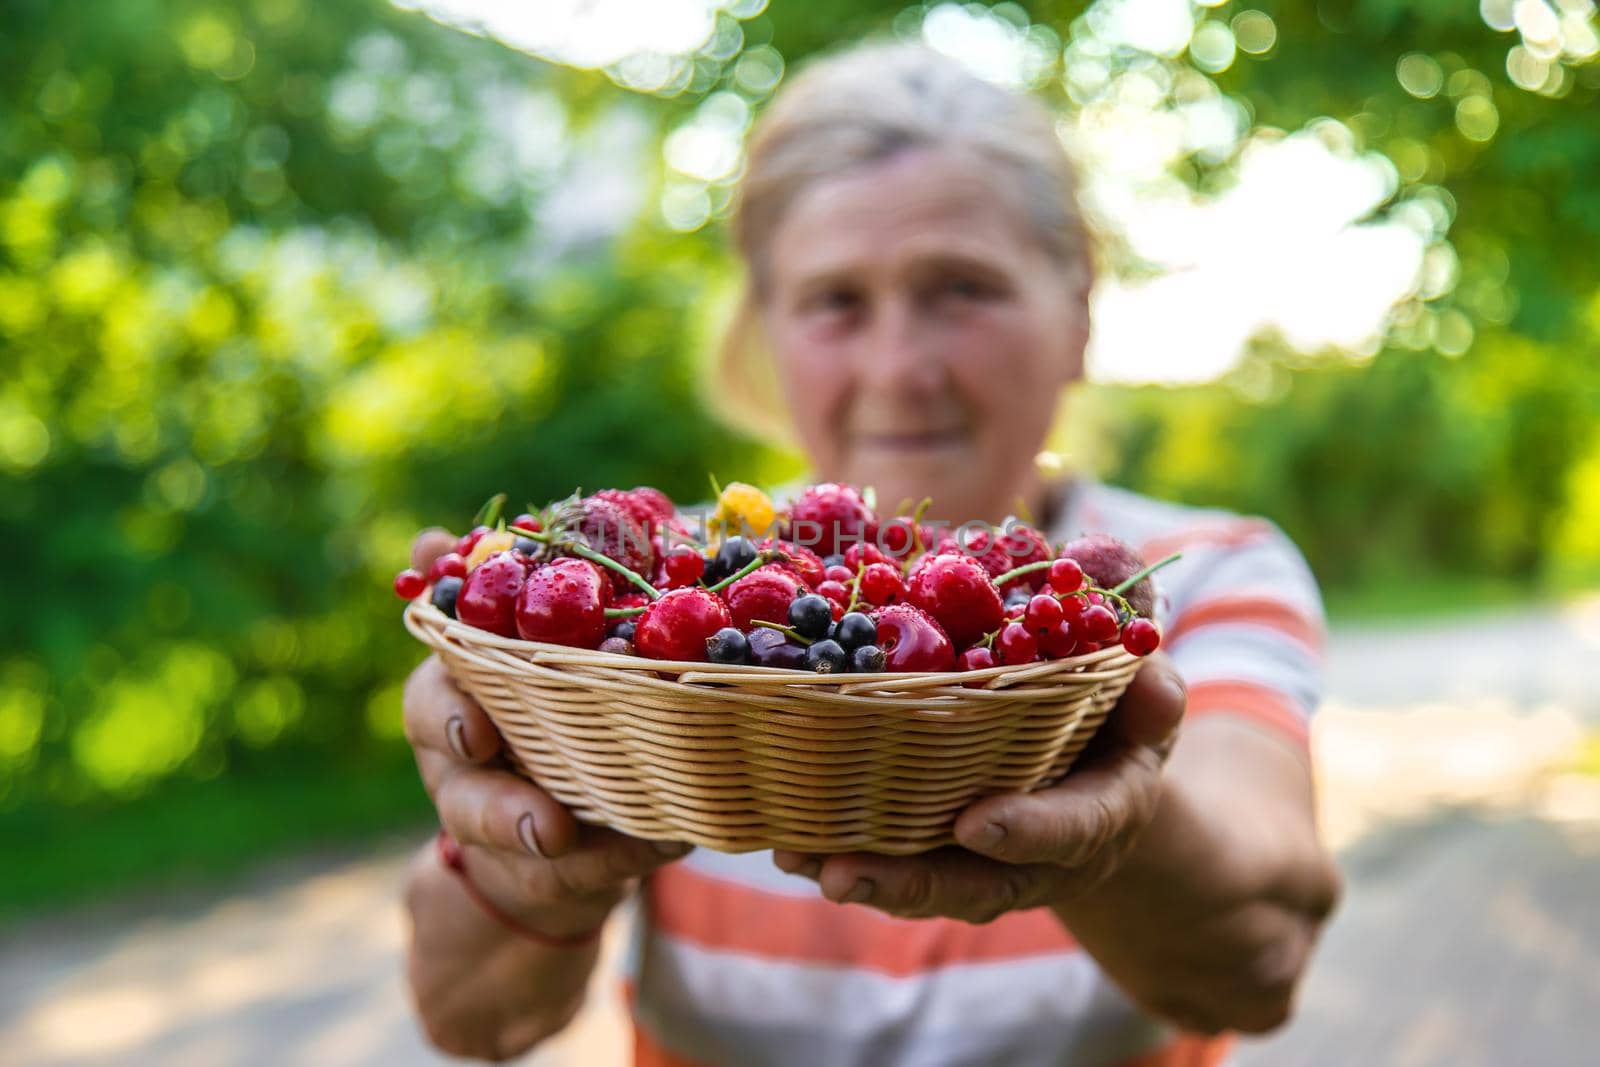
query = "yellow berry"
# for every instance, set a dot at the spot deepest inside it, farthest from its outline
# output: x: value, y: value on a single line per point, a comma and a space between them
x: 743, y: 509
x: 490, y: 543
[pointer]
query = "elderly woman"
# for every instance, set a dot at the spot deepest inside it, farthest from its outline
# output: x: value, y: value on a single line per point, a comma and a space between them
x: 918, y: 298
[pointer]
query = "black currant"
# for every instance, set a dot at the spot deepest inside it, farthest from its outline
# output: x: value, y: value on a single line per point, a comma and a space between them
x: 620, y: 645
x: 867, y: 659
x: 826, y: 657
x: 445, y: 591
x: 854, y: 629
x: 728, y: 645
x: 811, y: 615
x: 835, y: 560
x: 624, y: 629
x: 770, y: 648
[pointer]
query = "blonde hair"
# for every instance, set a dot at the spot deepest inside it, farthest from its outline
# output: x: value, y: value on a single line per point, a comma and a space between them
x: 859, y: 107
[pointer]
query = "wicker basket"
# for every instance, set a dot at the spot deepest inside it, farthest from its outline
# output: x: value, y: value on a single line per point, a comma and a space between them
x: 740, y: 758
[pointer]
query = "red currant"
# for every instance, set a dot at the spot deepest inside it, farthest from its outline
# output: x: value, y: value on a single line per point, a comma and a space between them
x: 1017, y: 644
x: 976, y: 658
x: 1058, y: 642
x: 837, y: 573
x: 1099, y: 623
x: 835, y: 591
x: 682, y: 566
x: 1066, y: 576
x: 1110, y: 562
x: 863, y: 552
x: 1141, y: 637
x: 881, y: 585
x: 449, y: 565
x: 468, y: 541
x: 409, y: 584
x: 1043, y: 613
x: 528, y: 522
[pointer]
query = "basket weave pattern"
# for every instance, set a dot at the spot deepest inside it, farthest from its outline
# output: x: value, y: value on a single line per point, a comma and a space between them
x: 739, y: 758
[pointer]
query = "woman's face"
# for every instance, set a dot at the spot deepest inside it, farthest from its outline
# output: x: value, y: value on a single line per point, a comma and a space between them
x: 922, y: 336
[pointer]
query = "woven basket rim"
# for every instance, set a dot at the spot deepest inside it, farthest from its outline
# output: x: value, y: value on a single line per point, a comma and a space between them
x: 420, y: 612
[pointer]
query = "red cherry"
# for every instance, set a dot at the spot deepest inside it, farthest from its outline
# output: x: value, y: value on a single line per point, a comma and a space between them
x: 488, y: 600
x: 1017, y: 644
x: 882, y: 585
x: 682, y: 566
x: 1043, y: 613
x: 564, y: 603
x: 468, y: 541
x: 765, y: 593
x: 912, y: 640
x: 676, y: 626
x: 409, y: 584
x: 1141, y: 637
x: 956, y: 591
x: 449, y: 565
x: 1099, y: 623
x: 837, y: 573
x: 1059, y: 642
x: 827, y: 515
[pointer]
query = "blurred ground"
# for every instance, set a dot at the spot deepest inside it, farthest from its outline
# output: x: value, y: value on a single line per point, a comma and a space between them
x: 1469, y: 933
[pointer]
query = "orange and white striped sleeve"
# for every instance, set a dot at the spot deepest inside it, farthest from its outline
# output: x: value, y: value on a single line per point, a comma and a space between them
x: 1245, y: 626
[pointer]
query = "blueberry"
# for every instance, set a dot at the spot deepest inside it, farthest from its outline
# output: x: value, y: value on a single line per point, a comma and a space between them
x: 811, y: 615
x: 835, y: 560
x: 728, y: 645
x: 527, y: 547
x: 855, y: 630
x: 1018, y: 597
x: 770, y: 648
x: 445, y: 591
x: 624, y: 629
x: 826, y: 657
x: 868, y: 659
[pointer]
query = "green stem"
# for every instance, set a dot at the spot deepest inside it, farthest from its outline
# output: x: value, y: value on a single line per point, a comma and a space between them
x: 788, y: 631
x: 622, y: 613
x: 489, y: 514
x: 579, y: 549
x: 1130, y: 582
x: 1026, y: 568
x: 762, y: 558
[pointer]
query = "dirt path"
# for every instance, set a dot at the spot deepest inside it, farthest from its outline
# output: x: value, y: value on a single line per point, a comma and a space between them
x: 1469, y: 936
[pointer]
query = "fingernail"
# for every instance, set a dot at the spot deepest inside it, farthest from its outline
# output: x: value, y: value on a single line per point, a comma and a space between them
x: 455, y: 731
x: 990, y: 836
x: 525, y: 834
x: 672, y: 848
x: 858, y: 892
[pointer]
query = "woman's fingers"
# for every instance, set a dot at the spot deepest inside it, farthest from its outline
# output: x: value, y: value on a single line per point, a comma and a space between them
x: 1097, y: 808
x: 430, y: 544
x: 440, y: 717
x: 496, y: 809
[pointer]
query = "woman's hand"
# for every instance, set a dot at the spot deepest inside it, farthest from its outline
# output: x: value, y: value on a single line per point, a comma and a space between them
x: 1024, y: 850
x: 523, y: 849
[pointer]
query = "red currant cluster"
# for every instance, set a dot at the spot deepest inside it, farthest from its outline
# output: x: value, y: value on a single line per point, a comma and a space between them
x: 620, y: 571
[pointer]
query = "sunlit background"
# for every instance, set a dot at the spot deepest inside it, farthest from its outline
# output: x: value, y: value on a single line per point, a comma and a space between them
x: 282, y: 281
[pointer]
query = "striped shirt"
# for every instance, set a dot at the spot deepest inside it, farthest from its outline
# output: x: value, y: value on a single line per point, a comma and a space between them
x: 735, y: 962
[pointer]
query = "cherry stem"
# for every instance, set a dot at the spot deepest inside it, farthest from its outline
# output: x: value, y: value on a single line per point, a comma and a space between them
x: 762, y: 558
x: 788, y: 631
x: 1133, y: 580
x: 579, y: 549
x: 489, y: 514
x: 1026, y: 568
x: 622, y: 613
